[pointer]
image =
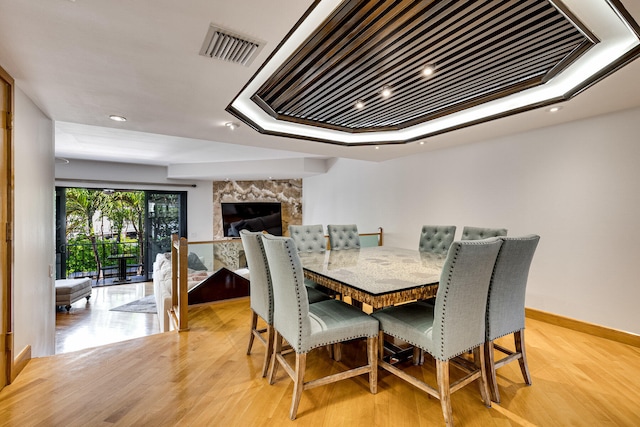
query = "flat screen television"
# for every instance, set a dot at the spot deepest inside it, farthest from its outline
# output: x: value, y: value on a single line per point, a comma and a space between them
x: 252, y: 216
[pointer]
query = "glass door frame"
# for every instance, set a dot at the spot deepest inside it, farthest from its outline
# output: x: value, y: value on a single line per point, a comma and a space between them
x: 150, y: 253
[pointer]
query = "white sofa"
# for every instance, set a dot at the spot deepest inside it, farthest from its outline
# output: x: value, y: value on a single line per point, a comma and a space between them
x: 162, y: 287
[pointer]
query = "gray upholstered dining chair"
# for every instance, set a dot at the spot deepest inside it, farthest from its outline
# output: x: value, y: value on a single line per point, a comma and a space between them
x: 311, y: 239
x: 453, y: 325
x: 436, y: 238
x: 478, y: 233
x: 308, y: 238
x: 505, y: 306
x: 261, y: 293
x: 344, y: 236
x: 307, y: 326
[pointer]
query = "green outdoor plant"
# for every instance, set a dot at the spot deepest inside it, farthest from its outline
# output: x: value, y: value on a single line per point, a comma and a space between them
x: 89, y: 250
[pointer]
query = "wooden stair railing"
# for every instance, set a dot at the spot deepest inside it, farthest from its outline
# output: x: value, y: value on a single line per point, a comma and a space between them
x: 178, y: 313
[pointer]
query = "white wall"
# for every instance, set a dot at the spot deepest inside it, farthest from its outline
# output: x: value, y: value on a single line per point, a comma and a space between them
x: 34, y: 257
x: 78, y: 173
x: 576, y: 185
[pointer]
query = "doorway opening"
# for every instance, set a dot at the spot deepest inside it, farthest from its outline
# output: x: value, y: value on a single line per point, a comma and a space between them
x: 113, y: 236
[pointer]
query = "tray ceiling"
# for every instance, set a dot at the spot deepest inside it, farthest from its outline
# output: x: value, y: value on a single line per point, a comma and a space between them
x: 359, y: 75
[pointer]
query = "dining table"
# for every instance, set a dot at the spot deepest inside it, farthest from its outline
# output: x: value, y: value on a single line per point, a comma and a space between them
x: 122, y: 265
x: 379, y: 276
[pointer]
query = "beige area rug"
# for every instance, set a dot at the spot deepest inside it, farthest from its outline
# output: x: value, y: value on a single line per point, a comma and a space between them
x: 143, y: 305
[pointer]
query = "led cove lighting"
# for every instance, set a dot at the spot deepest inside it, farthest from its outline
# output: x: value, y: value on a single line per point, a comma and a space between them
x: 617, y: 38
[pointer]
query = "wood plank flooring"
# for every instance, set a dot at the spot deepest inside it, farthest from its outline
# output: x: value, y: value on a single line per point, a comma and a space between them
x: 92, y: 323
x: 204, y: 378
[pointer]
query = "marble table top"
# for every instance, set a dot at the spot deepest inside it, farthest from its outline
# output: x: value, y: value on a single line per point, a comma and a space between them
x: 376, y: 270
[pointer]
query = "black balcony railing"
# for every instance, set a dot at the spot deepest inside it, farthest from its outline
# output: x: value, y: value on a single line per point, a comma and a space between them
x: 81, y: 260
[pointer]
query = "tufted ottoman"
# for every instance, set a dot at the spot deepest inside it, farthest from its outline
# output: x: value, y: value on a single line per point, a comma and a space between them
x: 69, y: 291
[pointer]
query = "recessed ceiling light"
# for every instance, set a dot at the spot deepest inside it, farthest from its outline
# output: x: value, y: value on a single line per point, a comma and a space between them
x: 232, y: 125
x: 117, y: 118
x: 359, y: 105
x: 377, y: 147
x: 555, y: 109
x: 421, y: 142
x: 385, y: 92
x: 428, y: 70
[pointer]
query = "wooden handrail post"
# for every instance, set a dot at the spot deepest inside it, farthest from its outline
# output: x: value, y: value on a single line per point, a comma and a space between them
x: 179, y: 293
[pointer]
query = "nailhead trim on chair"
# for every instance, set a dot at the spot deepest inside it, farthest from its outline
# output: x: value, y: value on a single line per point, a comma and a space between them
x: 445, y: 296
x: 264, y: 259
x: 298, y: 299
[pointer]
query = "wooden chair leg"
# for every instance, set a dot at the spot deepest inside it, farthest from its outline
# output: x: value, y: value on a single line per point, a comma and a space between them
x: 329, y: 348
x: 418, y: 356
x: 268, y: 353
x: 478, y: 357
x: 490, y: 362
x: 298, y: 383
x: 277, y: 350
x: 337, y: 352
x: 254, y: 325
x: 372, y: 356
x: 520, y: 348
x: 381, y: 345
x: 442, y: 375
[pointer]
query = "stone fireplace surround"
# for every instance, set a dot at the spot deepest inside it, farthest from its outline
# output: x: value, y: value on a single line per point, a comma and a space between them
x: 287, y: 191
x: 228, y: 252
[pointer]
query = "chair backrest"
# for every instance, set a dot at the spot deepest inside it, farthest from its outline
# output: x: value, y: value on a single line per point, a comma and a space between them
x: 479, y: 233
x: 291, y: 305
x: 308, y: 238
x: 436, y: 238
x: 459, y: 312
x: 505, y: 301
x: 260, y: 286
x: 344, y: 236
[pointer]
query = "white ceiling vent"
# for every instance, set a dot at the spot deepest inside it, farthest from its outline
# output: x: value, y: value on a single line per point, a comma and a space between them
x: 230, y: 46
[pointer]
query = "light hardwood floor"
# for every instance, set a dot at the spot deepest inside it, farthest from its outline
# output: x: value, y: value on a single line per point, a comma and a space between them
x: 204, y: 378
x: 92, y: 323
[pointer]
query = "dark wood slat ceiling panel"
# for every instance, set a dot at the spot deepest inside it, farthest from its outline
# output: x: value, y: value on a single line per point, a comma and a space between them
x: 470, y: 69
x: 440, y: 94
x: 481, y: 50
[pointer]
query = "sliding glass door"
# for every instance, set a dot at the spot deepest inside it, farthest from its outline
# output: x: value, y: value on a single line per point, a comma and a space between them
x: 120, y: 222
x: 166, y: 213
